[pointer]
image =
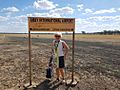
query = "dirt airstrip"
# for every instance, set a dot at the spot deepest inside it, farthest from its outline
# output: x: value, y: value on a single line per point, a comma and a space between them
x: 97, y: 64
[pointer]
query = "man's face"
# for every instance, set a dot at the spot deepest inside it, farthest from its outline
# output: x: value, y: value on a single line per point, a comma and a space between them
x: 57, y: 37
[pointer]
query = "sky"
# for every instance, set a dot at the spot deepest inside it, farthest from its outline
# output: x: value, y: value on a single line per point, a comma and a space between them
x: 90, y: 15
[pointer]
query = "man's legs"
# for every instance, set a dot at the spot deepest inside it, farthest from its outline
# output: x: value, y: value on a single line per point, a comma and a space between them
x: 57, y: 73
x: 62, y: 72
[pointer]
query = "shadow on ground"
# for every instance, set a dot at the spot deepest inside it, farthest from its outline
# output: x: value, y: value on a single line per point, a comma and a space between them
x: 47, y: 85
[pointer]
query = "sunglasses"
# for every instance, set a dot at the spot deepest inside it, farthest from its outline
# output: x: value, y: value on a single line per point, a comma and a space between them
x: 57, y: 36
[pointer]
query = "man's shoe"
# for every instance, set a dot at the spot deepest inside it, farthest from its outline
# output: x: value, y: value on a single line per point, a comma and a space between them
x: 57, y: 79
x: 63, y: 80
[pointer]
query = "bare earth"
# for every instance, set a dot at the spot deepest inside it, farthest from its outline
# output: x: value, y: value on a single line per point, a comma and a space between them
x: 97, y: 64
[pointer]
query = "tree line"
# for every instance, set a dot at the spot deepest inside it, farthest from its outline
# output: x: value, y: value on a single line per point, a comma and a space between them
x: 105, y: 32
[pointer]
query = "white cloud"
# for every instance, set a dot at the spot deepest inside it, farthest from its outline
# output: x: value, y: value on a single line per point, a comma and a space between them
x: 104, y: 18
x: 27, y: 8
x: 10, y: 10
x: 64, y: 10
x: 80, y: 7
x: 44, y: 4
x: 98, y: 23
x: 2, y: 18
x: 14, y: 24
x: 112, y: 10
x: 43, y: 15
x: 88, y: 10
x: 85, y: 25
x: 20, y: 19
x: 119, y: 9
x: 55, y: 15
x: 99, y: 18
x: 117, y: 18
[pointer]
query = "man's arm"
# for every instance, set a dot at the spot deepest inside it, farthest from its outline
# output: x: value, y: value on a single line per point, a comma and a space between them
x: 66, y: 48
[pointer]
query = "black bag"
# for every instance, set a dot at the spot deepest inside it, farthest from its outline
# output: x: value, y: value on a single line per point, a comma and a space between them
x: 49, y: 72
x: 49, y: 69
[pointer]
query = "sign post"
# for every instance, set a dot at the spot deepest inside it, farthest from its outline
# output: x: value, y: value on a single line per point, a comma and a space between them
x: 30, y: 58
x: 73, y: 46
x: 29, y: 35
x: 50, y: 25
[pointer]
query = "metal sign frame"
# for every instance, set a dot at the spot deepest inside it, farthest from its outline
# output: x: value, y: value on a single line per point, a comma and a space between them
x: 65, y: 24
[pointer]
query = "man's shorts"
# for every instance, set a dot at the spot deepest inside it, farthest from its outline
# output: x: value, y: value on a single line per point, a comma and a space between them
x: 61, y: 62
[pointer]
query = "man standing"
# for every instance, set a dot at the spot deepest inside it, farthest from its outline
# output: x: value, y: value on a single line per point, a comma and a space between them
x: 60, y: 49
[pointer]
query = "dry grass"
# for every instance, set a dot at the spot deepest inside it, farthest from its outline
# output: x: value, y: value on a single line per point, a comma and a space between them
x: 109, y: 39
x: 77, y: 36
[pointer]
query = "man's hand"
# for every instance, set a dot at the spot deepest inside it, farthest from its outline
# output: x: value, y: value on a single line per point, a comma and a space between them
x: 65, y: 55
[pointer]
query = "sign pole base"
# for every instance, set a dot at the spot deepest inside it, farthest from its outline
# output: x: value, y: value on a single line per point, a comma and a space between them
x: 69, y: 82
x: 28, y: 86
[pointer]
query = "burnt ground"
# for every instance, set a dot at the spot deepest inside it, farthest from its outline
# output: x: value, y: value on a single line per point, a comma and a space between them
x: 97, y: 65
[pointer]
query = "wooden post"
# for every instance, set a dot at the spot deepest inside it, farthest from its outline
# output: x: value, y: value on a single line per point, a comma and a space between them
x: 30, y: 59
x: 30, y: 75
x: 73, y: 46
